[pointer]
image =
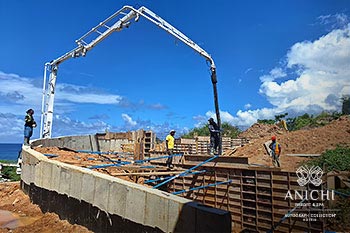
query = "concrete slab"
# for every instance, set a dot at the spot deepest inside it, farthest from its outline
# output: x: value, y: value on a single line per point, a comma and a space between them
x: 27, y: 173
x: 65, y: 180
x: 47, y: 175
x: 38, y: 174
x: 101, y: 193
x: 88, y: 187
x: 156, y: 211
x: 136, y: 204
x: 55, y: 177
x: 174, y: 209
x: 117, y: 201
x: 76, y: 184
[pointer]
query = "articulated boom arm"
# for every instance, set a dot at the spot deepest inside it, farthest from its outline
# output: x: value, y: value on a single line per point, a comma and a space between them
x: 116, y: 22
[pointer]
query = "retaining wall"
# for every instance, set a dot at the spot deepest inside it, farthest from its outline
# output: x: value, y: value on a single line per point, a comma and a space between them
x: 108, y: 204
x: 86, y: 142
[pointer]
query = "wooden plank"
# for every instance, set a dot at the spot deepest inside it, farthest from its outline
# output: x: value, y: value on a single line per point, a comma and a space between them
x: 146, y: 173
x: 304, y: 155
x: 221, y: 159
x: 8, y: 164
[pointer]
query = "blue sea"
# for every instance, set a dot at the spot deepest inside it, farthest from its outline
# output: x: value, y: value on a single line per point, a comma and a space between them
x: 9, y: 151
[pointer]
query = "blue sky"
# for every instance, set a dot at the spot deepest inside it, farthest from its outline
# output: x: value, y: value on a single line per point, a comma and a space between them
x: 272, y: 57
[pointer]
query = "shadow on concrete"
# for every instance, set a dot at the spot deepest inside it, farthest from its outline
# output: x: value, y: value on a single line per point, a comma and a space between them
x: 194, y: 217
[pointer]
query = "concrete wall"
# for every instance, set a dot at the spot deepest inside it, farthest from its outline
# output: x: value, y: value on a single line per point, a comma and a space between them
x: 86, y: 142
x: 136, y: 203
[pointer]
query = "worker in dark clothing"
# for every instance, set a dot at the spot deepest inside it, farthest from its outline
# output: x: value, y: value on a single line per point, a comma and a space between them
x: 29, y: 124
x: 214, y: 136
x: 275, y: 151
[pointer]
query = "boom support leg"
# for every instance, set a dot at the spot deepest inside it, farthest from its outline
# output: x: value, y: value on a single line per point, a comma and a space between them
x: 47, y: 115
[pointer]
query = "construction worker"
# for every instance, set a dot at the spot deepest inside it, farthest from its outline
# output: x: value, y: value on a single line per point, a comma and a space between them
x: 170, y: 142
x: 214, y: 136
x: 275, y: 151
x: 29, y: 124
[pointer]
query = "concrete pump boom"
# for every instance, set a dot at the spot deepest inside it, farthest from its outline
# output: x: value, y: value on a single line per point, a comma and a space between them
x: 119, y: 20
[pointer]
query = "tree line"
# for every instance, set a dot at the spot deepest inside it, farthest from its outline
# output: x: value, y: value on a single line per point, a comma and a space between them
x: 293, y: 123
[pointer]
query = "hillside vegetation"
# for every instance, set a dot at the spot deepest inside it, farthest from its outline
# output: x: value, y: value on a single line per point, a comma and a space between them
x: 305, y: 121
x: 227, y: 131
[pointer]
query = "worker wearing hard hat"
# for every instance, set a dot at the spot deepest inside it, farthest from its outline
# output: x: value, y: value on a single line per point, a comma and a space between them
x: 275, y: 151
x: 169, y: 143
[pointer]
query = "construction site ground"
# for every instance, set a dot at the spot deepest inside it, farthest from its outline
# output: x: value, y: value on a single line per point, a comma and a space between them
x: 306, y: 141
x: 18, y: 214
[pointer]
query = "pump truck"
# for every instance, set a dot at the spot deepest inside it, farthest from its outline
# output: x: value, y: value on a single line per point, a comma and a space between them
x: 115, y: 23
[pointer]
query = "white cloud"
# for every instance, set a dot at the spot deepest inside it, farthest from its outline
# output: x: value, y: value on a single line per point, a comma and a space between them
x: 63, y: 125
x: 339, y: 20
x: 274, y: 74
x: 19, y: 93
x: 128, y: 120
x: 322, y: 77
x: 81, y: 94
x: 244, y: 118
x: 323, y: 68
x: 248, y: 70
x: 247, y: 106
x: 12, y: 127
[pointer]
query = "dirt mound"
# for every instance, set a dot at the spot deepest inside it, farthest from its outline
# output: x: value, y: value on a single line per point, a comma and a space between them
x: 27, y: 216
x: 311, y: 141
x: 259, y: 130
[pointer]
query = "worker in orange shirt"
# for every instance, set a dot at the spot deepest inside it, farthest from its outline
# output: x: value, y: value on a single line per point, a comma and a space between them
x: 275, y: 151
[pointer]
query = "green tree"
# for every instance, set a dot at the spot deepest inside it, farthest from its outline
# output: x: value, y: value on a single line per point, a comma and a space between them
x: 346, y: 105
x: 280, y: 117
x: 271, y: 121
x: 228, y: 130
x: 266, y: 121
x: 337, y: 159
x: 10, y: 173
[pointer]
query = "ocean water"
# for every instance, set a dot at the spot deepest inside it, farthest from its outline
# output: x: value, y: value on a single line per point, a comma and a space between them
x: 9, y: 151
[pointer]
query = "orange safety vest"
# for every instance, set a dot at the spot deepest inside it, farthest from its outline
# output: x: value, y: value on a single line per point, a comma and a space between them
x: 277, y: 149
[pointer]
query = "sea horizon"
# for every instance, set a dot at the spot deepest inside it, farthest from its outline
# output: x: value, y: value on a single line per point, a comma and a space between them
x: 9, y: 151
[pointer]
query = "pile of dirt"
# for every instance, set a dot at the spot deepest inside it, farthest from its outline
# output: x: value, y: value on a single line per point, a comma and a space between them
x: 105, y: 161
x: 23, y: 216
x: 307, y: 141
x: 259, y: 130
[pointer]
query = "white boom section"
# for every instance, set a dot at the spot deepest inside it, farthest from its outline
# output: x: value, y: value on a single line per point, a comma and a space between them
x: 116, y: 22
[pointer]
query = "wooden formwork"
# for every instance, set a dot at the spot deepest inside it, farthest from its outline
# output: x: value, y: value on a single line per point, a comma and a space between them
x: 201, y: 144
x: 255, y: 197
